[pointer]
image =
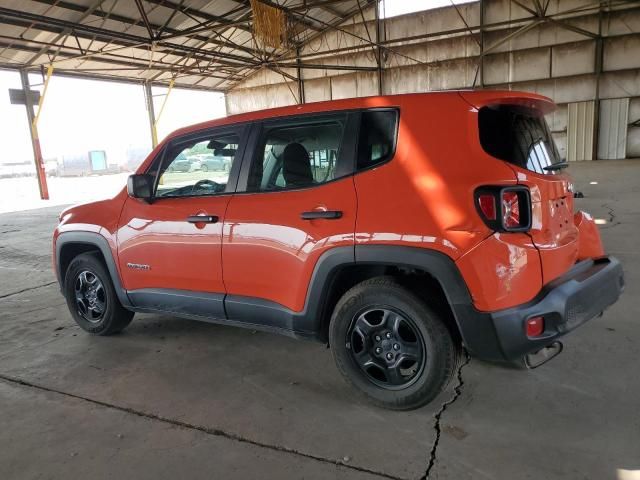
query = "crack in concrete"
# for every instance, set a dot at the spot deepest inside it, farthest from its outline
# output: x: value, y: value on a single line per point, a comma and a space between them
x: 612, y: 216
x: 611, y: 213
x: 457, y: 391
x: 27, y: 290
x: 207, y: 430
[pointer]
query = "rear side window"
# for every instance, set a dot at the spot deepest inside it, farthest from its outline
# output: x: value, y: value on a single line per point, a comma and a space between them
x: 301, y: 154
x: 377, y: 137
x: 518, y: 135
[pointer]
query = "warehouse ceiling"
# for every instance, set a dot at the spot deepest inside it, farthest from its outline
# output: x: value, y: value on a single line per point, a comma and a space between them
x: 201, y: 44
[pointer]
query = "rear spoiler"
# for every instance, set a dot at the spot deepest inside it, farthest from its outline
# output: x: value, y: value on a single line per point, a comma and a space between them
x: 483, y: 98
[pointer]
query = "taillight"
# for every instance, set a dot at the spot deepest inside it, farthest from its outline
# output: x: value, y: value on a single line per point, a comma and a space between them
x: 510, y: 210
x: 487, y: 204
x: 514, y: 204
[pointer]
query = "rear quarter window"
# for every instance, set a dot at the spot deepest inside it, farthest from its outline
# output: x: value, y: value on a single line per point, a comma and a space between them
x: 377, y: 143
x: 518, y: 135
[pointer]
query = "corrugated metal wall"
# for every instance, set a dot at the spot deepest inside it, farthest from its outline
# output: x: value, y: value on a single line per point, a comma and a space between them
x: 612, y: 134
x: 434, y: 50
x: 580, y: 128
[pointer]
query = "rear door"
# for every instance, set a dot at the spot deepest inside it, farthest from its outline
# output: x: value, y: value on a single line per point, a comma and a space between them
x: 519, y: 134
x: 299, y: 201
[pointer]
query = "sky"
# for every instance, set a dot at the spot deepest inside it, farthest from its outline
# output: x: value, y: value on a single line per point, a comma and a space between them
x: 80, y: 115
x: 393, y: 8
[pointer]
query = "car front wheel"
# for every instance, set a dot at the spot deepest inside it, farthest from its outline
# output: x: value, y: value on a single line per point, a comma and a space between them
x: 91, y: 297
x: 391, y: 346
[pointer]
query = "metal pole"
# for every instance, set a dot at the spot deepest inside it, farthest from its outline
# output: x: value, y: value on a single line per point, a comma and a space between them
x: 148, y: 96
x: 300, y: 80
x: 379, y: 41
x: 481, y: 44
x: 35, y: 139
x: 598, y: 68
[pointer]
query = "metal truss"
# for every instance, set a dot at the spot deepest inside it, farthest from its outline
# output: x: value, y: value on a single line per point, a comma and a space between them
x: 162, y: 41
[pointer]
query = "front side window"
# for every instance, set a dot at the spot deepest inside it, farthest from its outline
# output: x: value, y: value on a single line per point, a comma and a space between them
x: 377, y: 137
x: 197, y: 167
x: 297, y: 155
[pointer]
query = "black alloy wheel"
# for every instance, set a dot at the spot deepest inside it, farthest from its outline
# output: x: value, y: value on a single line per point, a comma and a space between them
x: 91, y: 298
x: 387, y: 346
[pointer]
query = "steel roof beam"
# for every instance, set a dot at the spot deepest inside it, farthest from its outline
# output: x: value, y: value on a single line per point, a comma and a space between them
x: 69, y: 52
x: 190, y: 11
x: 171, y: 32
x: 62, y: 36
x: 61, y: 72
x: 319, y: 66
x: 127, y: 64
x: 58, y: 26
x: 145, y: 19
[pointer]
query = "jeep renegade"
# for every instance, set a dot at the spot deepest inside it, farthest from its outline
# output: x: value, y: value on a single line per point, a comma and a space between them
x: 400, y: 230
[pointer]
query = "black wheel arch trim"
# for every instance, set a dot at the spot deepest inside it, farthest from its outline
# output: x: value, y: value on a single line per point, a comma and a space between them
x: 476, y: 328
x: 100, y: 242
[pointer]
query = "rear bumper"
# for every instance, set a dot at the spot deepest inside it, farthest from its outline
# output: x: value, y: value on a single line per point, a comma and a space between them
x: 579, y: 295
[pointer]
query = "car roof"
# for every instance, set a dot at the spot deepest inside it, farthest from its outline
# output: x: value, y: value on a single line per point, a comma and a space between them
x: 475, y: 97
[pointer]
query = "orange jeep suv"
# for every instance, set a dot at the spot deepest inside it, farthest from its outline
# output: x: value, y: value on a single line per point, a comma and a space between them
x: 398, y: 229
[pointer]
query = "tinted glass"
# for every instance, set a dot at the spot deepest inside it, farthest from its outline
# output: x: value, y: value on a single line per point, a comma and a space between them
x: 519, y: 136
x: 200, y: 167
x: 377, y: 137
x: 297, y: 156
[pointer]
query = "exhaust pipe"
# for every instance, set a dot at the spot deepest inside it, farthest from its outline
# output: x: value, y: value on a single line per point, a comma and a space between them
x: 535, y: 359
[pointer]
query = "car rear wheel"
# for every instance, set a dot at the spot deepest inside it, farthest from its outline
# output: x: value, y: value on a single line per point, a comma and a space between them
x: 204, y: 168
x: 391, y: 346
x: 91, y: 297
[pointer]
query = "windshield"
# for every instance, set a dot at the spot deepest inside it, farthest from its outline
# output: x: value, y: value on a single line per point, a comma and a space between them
x: 518, y: 135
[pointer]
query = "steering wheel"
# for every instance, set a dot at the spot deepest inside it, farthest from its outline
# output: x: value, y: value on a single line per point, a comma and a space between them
x: 210, y: 183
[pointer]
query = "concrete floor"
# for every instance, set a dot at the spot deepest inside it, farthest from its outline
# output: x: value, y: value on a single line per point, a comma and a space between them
x: 171, y: 398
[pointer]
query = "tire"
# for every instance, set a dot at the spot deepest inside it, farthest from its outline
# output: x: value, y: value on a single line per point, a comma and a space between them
x: 406, y: 322
x: 204, y: 168
x: 87, y: 270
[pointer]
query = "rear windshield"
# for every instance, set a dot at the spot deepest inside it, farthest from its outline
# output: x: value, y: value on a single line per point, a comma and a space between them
x: 518, y: 135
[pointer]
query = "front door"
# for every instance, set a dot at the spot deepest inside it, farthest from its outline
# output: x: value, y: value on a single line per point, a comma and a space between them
x: 169, y: 250
x: 299, y: 202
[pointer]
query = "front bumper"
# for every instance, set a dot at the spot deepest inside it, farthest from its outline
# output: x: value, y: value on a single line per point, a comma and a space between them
x: 579, y: 295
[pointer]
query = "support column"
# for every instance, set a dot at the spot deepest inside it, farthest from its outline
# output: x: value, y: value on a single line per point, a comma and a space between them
x: 481, y: 66
x: 379, y: 41
x: 35, y: 139
x: 598, y: 62
x: 148, y: 97
x: 153, y: 118
x: 300, y: 80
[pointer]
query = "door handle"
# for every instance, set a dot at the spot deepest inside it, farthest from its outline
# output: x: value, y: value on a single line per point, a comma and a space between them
x: 202, y: 219
x: 328, y: 214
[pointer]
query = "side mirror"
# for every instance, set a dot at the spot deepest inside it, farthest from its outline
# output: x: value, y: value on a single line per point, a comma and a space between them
x: 140, y: 186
